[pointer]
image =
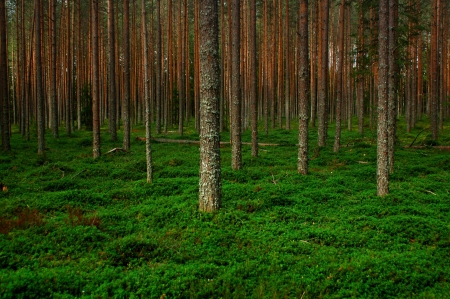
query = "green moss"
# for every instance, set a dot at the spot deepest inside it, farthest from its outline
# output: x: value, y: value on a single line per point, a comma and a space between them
x: 104, y: 232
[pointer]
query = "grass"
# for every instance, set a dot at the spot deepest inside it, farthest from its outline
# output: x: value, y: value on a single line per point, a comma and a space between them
x: 73, y: 227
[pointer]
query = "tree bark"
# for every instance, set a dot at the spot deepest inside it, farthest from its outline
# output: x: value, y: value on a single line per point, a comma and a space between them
x: 39, y: 81
x: 127, y: 79
x: 148, y: 148
x: 236, y: 151
x: 393, y: 81
x: 53, y: 100
x: 4, y: 101
x: 339, y: 81
x: 360, y: 76
x: 303, y: 89
x: 323, y: 77
x: 112, y: 93
x: 210, y: 174
x: 253, y: 80
x: 95, y: 81
x: 434, y: 72
x: 383, y: 74
x: 287, y: 98
x: 158, y: 67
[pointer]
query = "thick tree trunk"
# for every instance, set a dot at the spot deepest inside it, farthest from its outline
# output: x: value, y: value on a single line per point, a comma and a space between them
x: 210, y: 178
x: 383, y: 74
x: 393, y: 81
x: 236, y: 154
x: 303, y: 89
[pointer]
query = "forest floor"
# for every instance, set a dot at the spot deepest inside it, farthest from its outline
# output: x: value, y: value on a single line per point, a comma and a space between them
x: 71, y: 226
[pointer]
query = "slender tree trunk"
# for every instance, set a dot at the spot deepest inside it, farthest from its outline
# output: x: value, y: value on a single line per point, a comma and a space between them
x: 112, y: 95
x: 148, y: 148
x: 419, y: 71
x: 253, y: 79
x: 360, y: 76
x: 383, y: 73
x: 303, y: 89
x: 24, y: 114
x: 210, y: 177
x: 80, y: 64
x: 4, y: 101
x: 53, y: 100
x: 315, y: 33
x: 339, y: 81
x: 236, y: 154
x: 393, y: 81
x: 287, y: 98
x: 323, y: 78
x: 95, y: 81
x: 127, y: 79
x: 39, y: 84
x: 69, y: 99
x: 158, y: 67
x: 434, y: 94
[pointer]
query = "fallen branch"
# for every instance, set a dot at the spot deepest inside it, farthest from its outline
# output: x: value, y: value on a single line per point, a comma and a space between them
x: 439, y: 147
x: 165, y: 140
x: 77, y: 174
x: 362, y: 162
x: 117, y: 149
x: 417, y: 136
x: 431, y: 192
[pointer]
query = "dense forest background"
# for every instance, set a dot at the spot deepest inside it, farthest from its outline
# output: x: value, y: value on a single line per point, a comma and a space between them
x: 66, y: 54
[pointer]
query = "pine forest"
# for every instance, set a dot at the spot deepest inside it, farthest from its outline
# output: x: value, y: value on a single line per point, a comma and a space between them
x: 224, y: 149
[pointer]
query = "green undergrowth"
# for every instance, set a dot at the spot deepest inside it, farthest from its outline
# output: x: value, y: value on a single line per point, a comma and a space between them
x: 74, y: 227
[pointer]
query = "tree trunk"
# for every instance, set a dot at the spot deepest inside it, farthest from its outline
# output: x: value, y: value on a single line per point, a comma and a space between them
x: 210, y: 178
x: 127, y: 79
x: 303, y: 89
x: 434, y: 72
x: 253, y: 79
x: 393, y: 81
x: 236, y: 154
x: 339, y: 81
x: 360, y: 76
x: 158, y: 67
x: 323, y: 77
x: 39, y: 82
x: 53, y: 100
x: 287, y: 98
x: 95, y: 81
x: 112, y: 95
x: 148, y: 149
x: 4, y: 101
x: 383, y: 74
x: 315, y: 33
